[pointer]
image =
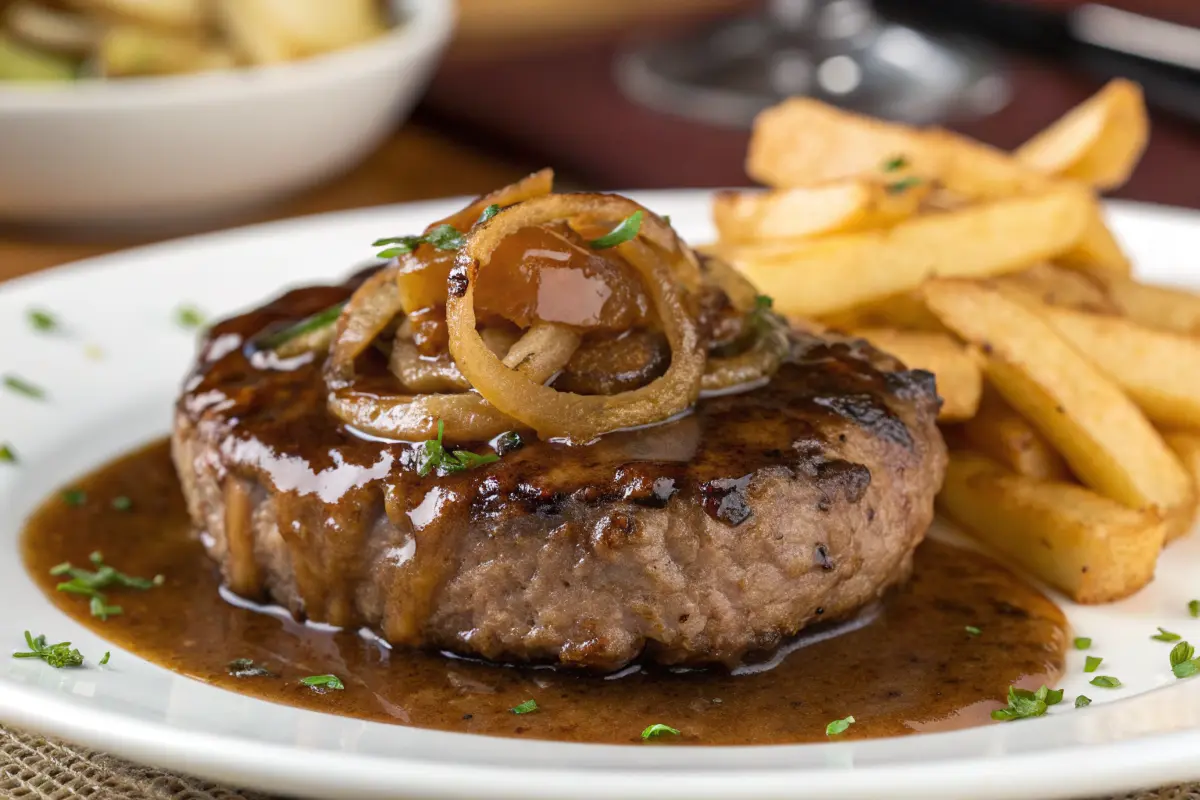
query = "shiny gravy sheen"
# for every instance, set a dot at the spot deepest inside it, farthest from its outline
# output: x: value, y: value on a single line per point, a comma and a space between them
x: 911, y: 667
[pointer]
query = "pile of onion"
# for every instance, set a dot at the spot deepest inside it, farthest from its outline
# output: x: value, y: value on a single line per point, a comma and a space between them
x: 571, y: 315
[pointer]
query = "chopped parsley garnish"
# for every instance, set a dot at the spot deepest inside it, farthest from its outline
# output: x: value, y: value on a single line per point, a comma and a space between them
x: 894, y: 163
x: 74, y: 497
x: 121, y: 503
x: 1183, y: 661
x: 189, y: 316
x: 104, y: 659
x: 246, y: 668
x: 973, y: 631
x: 1105, y: 682
x: 1023, y: 703
x: 624, y: 232
x: 1082, y: 701
x: 317, y: 321
x: 488, y: 213
x: 323, y: 682
x: 1091, y: 663
x: 443, y: 237
x: 666, y: 218
x: 102, y: 610
x: 21, y: 386
x: 1194, y: 608
x: 658, y: 729
x: 91, y: 584
x: 839, y: 726
x: 432, y: 455
x: 761, y: 316
x: 1082, y: 642
x: 528, y: 707
x: 7, y: 454
x: 903, y: 185
x: 56, y: 655
x: 42, y: 320
x: 1166, y: 636
x: 507, y: 442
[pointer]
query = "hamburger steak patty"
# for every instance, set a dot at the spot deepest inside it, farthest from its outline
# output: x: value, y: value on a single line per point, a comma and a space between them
x: 711, y: 538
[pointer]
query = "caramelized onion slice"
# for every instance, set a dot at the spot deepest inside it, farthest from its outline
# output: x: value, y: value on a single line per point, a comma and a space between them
x: 367, y: 313
x: 543, y: 351
x: 758, y: 362
x: 424, y: 375
x: 563, y: 414
x: 536, y: 185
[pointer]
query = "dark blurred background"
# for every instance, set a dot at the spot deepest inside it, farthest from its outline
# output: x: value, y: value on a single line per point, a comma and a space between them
x: 628, y: 93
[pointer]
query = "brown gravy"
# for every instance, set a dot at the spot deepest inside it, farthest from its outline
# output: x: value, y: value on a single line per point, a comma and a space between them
x: 912, y: 668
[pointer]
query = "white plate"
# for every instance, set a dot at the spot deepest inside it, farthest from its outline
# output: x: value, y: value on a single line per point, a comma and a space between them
x: 1140, y: 735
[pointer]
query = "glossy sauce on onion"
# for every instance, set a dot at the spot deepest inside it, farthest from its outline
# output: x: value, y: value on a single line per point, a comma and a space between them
x: 909, y: 665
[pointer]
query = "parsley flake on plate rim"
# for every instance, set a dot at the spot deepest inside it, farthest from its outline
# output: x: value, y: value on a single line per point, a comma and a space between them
x: 658, y: 730
x: 323, y: 682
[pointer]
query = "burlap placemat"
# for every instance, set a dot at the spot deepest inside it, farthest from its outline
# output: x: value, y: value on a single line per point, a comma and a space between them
x: 44, y: 769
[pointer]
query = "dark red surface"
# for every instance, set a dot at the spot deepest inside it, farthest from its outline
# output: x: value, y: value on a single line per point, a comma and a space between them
x: 564, y: 109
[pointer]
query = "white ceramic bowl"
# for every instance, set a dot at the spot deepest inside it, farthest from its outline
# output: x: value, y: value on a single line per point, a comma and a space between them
x: 147, y: 151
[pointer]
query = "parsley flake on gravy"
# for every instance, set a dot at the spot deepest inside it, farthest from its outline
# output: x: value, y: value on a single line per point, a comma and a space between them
x: 122, y: 503
x: 528, y: 707
x: 973, y: 631
x: 433, y: 456
x: 93, y: 584
x: 657, y: 730
x: 74, y: 497
x: 1022, y: 703
x: 839, y: 726
x: 56, y: 655
x: 321, y: 682
x: 624, y: 232
x: 246, y: 668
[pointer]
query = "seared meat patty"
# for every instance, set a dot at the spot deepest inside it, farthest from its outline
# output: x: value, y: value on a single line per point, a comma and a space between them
x: 712, y: 538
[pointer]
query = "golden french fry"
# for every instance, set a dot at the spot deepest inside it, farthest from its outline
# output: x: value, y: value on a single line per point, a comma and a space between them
x: 959, y: 380
x: 1057, y: 286
x: 1105, y: 438
x: 1155, y: 306
x: 801, y: 142
x: 1098, y: 142
x: 905, y: 310
x: 1088, y: 546
x: 1159, y: 370
x: 1186, y: 446
x: 833, y: 273
x: 835, y: 207
x: 1000, y: 433
x: 268, y: 31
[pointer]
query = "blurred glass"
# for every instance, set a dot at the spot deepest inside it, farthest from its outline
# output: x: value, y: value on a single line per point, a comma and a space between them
x: 838, y: 51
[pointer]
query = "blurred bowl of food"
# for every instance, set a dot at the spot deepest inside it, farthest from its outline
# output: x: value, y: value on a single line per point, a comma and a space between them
x: 147, y: 112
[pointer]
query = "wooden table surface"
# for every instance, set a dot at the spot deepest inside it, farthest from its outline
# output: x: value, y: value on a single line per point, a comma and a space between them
x: 414, y: 164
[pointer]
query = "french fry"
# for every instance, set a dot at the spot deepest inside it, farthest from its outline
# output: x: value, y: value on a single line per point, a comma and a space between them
x: 1159, y: 370
x: 137, y: 50
x: 905, y: 310
x: 1098, y: 142
x: 189, y: 15
x: 1155, y: 306
x: 959, y: 380
x: 1091, y: 548
x: 801, y: 141
x: 1057, y: 286
x: 1186, y: 445
x: 835, y: 207
x: 1000, y: 433
x: 833, y: 273
x: 1104, y: 437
